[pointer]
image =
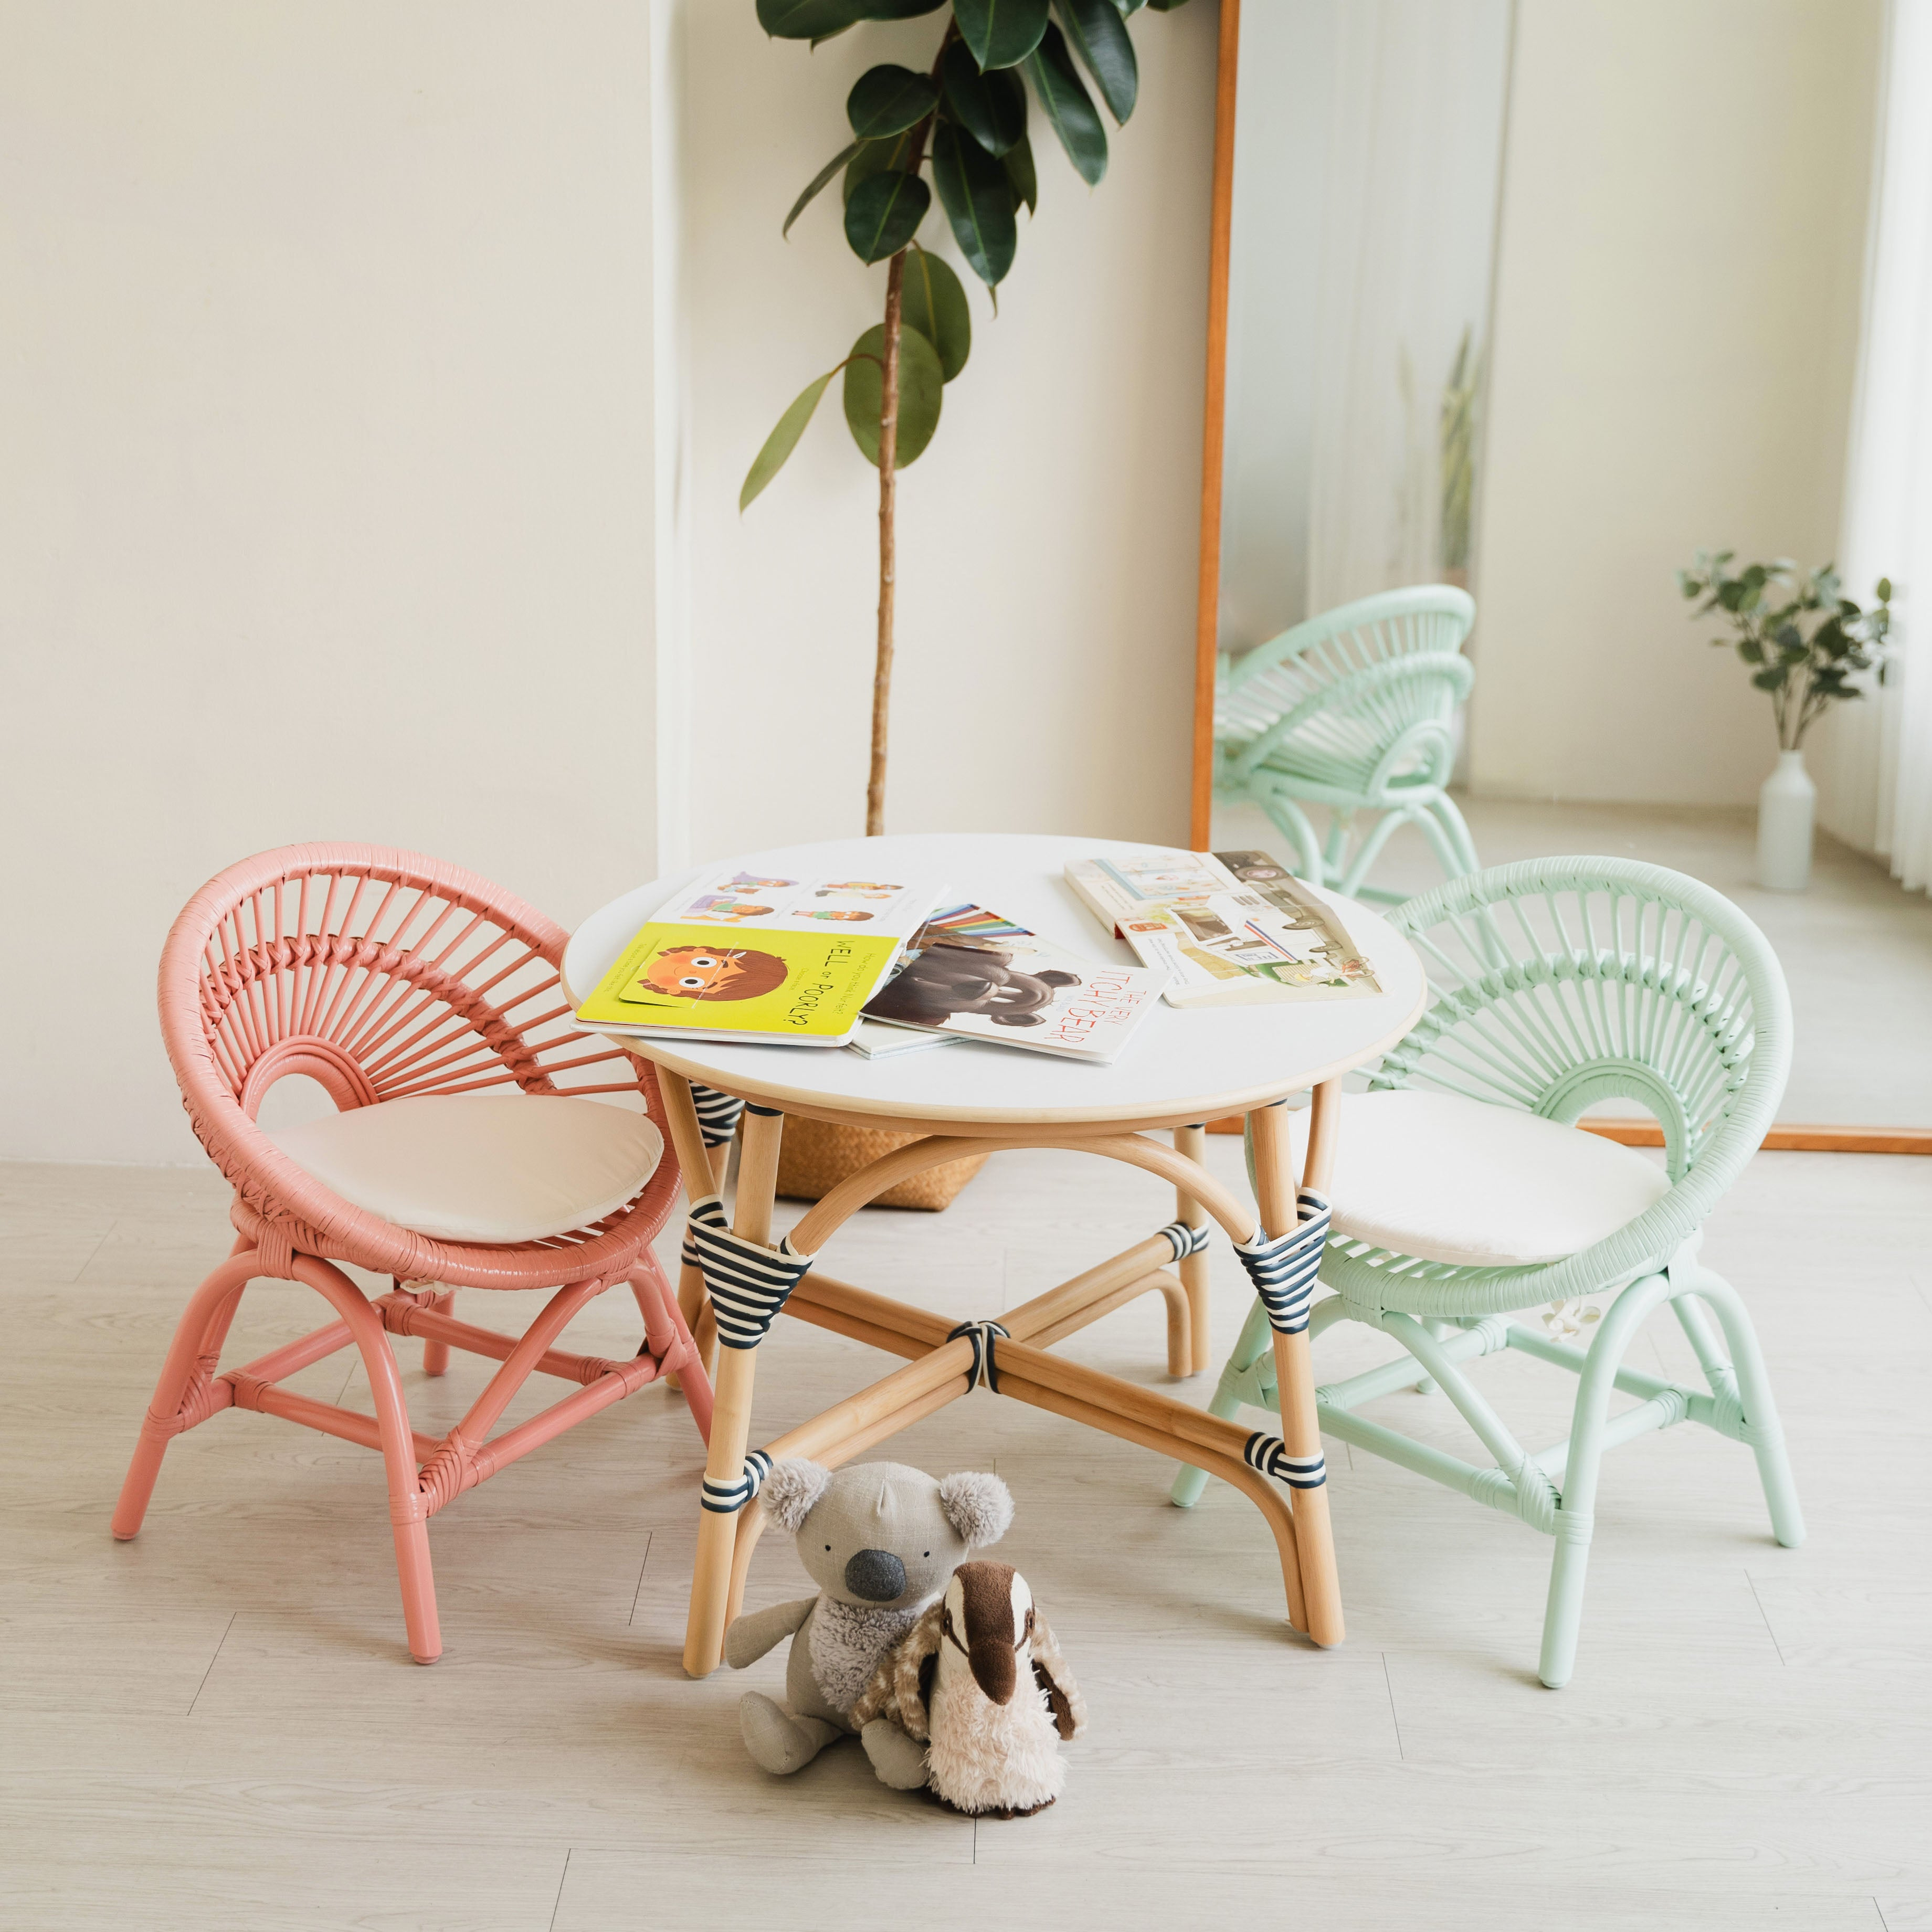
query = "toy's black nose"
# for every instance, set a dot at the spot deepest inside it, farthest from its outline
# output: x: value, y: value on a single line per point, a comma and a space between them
x: 877, y: 1575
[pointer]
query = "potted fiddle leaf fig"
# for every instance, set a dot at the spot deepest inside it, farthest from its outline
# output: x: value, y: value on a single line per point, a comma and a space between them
x: 1805, y: 642
x: 962, y: 128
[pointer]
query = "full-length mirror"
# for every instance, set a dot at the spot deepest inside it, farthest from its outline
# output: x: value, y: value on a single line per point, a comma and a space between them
x: 1517, y: 326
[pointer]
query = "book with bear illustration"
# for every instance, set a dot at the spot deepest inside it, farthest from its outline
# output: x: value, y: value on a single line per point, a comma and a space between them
x: 759, y: 960
x: 969, y: 973
x: 1231, y: 928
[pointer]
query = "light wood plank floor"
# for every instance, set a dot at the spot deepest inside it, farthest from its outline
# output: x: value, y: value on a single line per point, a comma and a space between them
x: 216, y: 1726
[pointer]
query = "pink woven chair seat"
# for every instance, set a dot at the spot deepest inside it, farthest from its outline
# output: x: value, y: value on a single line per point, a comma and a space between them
x: 481, y: 1140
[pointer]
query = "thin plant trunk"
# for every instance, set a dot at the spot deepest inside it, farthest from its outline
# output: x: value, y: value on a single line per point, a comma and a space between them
x: 889, y: 441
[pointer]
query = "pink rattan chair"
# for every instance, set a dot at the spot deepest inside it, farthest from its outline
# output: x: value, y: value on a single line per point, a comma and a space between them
x: 465, y: 1153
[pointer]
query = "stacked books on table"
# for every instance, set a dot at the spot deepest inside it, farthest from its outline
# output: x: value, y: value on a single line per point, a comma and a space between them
x: 884, y: 966
x: 760, y: 960
x: 1227, y: 928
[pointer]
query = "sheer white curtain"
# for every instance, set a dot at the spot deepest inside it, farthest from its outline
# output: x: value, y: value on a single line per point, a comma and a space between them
x: 1414, y: 142
x: 1880, y: 792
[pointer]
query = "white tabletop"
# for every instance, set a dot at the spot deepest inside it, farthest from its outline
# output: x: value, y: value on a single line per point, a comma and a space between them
x: 1181, y: 1067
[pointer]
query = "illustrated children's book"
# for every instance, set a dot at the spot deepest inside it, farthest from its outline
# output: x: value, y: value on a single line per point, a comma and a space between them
x: 1231, y: 929
x: 968, y: 974
x: 740, y: 957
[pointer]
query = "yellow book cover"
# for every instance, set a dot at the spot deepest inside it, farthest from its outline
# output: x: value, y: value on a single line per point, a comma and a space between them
x: 748, y: 956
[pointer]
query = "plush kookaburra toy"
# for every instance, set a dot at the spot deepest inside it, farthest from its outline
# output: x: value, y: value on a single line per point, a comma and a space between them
x: 975, y: 1701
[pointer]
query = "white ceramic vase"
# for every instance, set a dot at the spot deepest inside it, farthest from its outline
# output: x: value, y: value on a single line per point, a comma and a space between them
x: 1785, y: 807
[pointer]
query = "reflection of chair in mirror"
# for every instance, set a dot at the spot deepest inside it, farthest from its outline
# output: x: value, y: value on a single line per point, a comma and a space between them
x: 1354, y: 710
x: 1462, y: 1193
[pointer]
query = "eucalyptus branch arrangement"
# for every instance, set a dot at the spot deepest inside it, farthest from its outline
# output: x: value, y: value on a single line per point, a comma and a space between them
x: 964, y: 122
x: 1803, y: 638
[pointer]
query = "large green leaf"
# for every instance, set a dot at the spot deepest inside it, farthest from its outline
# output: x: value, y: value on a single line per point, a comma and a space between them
x: 809, y: 19
x: 922, y: 387
x: 1018, y: 162
x: 1068, y: 105
x: 992, y: 107
x: 816, y: 182
x: 978, y: 199
x: 1167, y: 6
x: 898, y: 9
x: 884, y: 213
x: 888, y: 100
x: 783, y: 440
x: 1100, y: 36
x: 1001, y: 33
x: 874, y: 157
x: 933, y: 302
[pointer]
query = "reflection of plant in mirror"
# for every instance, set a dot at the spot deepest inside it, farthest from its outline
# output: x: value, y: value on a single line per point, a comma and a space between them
x: 1459, y: 460
x: 965, y: 121
x: 1804, y: 640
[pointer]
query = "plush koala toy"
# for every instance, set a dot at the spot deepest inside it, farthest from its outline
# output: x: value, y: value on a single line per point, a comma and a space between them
x: 880, y: 1541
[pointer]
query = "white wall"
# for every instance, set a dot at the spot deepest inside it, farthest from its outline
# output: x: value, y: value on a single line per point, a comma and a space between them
x: 325, y: 480
x: 1683, y: 233
x: 376, y: 384
x: 1047, y: 538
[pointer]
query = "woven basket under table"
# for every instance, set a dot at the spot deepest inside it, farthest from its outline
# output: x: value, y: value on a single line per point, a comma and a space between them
x: 815, y: 1156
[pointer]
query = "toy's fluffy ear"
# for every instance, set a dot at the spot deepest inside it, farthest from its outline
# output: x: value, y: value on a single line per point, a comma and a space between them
x: 791, y: 1489
x: 979, y: 1507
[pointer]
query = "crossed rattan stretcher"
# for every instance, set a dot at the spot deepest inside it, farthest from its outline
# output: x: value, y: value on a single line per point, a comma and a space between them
x: 734, y: 1282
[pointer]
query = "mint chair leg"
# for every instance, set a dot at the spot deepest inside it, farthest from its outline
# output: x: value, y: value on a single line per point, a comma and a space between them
x: 1292, y: 822
x: 1369, y: 852
x: 1442, y: 809
x: 1256, y: 1343
x: 1741, y: 1388
x: 1576, y: 1515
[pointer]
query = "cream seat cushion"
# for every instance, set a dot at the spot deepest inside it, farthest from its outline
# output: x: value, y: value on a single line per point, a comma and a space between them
x: 1450, y: 1180
x: 476, y: 1167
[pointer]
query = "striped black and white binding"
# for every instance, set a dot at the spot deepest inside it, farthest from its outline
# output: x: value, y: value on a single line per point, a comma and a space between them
x: 717, y: 1114
x: 981, y: 1334
x: 727, y: 1498
x: 747, y: 1283
x: 1269, y: 1454
x: 1184, y: 1239
x: 1283, y: 1269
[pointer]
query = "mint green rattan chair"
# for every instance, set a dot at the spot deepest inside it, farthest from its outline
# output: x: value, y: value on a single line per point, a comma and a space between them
x: 1353, y: 710
x: 1459, y: 1185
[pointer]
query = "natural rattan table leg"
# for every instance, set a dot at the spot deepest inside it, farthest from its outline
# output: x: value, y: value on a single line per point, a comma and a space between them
x: 1294, y: 1372
x: 939, y: 1371
x: 1193, y: 1141
x: 731, y: 1410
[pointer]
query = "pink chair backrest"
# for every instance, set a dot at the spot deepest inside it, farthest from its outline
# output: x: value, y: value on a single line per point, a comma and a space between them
x: 380, y: 974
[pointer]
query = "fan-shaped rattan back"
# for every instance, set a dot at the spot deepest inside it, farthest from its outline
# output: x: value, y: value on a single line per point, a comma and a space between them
x: 382, y: 975
x: 1355, y: 710
x: 387, y: 976
x: 1559, y: 983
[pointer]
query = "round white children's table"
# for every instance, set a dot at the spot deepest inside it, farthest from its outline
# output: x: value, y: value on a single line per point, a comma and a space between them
x: 1181, y: 1070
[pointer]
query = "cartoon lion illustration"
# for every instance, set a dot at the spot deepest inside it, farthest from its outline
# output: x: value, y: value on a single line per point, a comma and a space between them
x: 683, y: 972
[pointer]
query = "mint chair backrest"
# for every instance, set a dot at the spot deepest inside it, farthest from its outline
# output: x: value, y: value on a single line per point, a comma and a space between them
x: 1560, y: 982
x: 1336, y: 694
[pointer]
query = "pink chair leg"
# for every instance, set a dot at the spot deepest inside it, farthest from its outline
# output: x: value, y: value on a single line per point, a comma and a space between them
x: 669, y: 1339
x: 409, y: 1506
x: 435, y: 1354
x: 187, y: 1392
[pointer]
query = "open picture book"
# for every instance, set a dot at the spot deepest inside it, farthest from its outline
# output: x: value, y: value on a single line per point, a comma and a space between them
x: 969, y: 974
x: 1229, y: 929
x: 760, y: 960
